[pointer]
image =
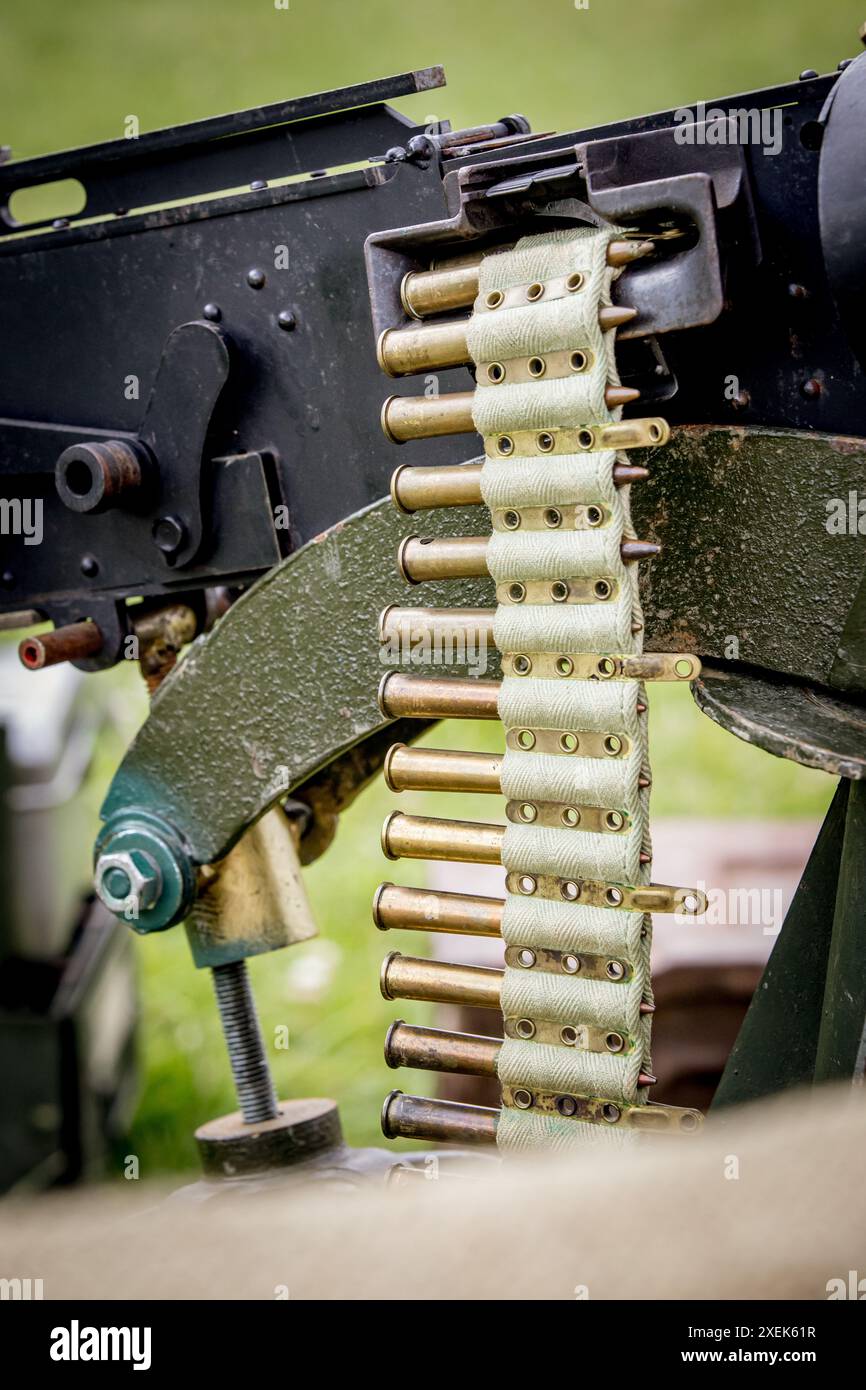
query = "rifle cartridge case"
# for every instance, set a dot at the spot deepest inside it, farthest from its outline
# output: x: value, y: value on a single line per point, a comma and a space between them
x: 458, y: 557
x: 429, y: 417
x: 459, y: 485
x: 466, y: 626
x: 454, y: 284
x: 465, y: 557
x: 437, y: 697
x: 437, y: 1121
x: 440, y: 769
x: 428, y: 837
x: 436, y: 1049
x: 436, y: 291
x: 436, y: 346
x: 396, y: 908
x: 440, y: 982
x: 444, y: 982
x: 419, y: 489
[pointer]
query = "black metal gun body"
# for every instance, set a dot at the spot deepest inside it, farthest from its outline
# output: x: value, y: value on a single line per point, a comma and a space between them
x: 201, y: 331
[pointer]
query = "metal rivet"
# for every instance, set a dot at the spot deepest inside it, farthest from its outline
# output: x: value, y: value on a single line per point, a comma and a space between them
x: 614, y: 820
x: 578, y: 361
x: 683, y: 668
x: 526, y: 956
x: 571, y: 964
x: 212, y: 312
x: 614, y: 1042
x: 552, y: 517
x: 526, y: 738
x: 585, y: 439
x: 89, y: 566
x: 545, y: 441
x: 566, y: 1105
x: 528, y: 812
x: 527, y: 886
x: 564, y: 666
x: 495, y: 372
x: 505, y: 444
x: 602, y: 589
x: 570, y: 890
x: 534, y: 291
x: 568, y: 1035
x: 522, y: 665
x: 690, y: 903
x: 613, y: 896
x: 611, y: 1112
x: 615, y: 970
x: 257, y: 185
x: 612, y: 745
x: 570, y: 816
x: 594, y: 516
x: 511, y: 520
x: 559, y: 591
x: 287, y: 320
x: 605, y: 668
x: 569, y: 743
x: 574, y: 282
x: 536, y: 366
x: 255, y: 278
x: 522, y: 1099
x: 517, y: 592
x: 525, y: 1028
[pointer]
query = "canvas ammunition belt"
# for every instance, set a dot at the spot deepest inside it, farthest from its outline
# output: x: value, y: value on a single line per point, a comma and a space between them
x: 576, y: 993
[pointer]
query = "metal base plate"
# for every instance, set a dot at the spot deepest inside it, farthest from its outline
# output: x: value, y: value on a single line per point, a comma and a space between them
x: 807, y: 724
x: 304, y: 1128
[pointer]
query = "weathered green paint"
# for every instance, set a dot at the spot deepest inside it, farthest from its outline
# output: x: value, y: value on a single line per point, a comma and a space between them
x: 742, y: 515
x: 776, y: 1047
x: 841, y: 1052
x: 285, y: 681
x: 808, y: 726
x: 849, y: 668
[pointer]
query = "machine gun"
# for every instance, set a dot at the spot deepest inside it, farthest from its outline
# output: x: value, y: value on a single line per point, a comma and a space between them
x: 192, y: 401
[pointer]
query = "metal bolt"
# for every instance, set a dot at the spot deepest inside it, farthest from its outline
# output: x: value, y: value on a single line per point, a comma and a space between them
x: 169, y: 534
x: 128, y: 883
x: 255, y: 1088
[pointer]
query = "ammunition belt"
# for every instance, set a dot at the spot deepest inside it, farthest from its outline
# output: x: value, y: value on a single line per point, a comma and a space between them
x: 576, y: 994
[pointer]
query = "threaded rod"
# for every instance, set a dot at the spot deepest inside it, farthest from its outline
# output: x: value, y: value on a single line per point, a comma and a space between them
x: 255, y: 1089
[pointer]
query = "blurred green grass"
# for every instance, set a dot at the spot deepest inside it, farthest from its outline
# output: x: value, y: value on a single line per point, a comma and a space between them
x: 71, y: 74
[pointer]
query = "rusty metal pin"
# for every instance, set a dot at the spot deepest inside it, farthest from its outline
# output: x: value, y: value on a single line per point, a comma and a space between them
x: 75, y: 642
x: 437, y: 1121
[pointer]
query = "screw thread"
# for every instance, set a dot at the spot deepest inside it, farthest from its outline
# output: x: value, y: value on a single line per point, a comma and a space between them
x: 255, y: 1088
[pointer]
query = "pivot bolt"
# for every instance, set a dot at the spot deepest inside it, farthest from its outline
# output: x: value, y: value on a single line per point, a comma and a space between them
x: 128, y: 883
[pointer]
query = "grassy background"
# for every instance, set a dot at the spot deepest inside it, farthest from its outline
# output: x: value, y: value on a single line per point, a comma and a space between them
x: 71, y: 74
